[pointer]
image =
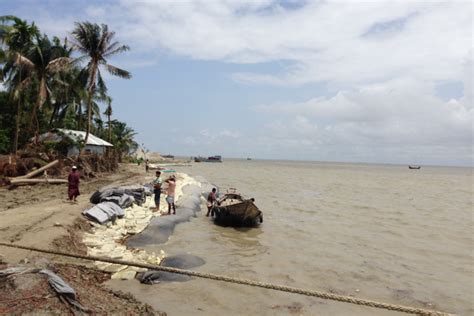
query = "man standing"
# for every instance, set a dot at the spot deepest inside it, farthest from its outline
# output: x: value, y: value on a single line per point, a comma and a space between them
x: 73, y: 184
x: 211, y: 198
x: 157, y: 190
x: 170, y: 193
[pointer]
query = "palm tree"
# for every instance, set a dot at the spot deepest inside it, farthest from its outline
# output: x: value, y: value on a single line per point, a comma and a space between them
x: 18, y: 37
x: 123, y: 138
x: 63, y: 83
x: 41, y: 62
x: 95, y: 43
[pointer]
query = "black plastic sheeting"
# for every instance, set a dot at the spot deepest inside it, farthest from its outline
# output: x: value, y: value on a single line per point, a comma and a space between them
x: 160, y: 228
x: 138, y: 194
x: 181, y: 261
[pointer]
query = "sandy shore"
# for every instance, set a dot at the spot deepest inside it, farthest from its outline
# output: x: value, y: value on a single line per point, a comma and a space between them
x: 40, y: 216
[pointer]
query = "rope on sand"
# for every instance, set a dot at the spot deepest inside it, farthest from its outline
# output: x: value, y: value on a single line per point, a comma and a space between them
x: 323, y: 295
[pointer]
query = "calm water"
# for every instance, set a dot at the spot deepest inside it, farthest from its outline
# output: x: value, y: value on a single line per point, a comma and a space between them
x: 373, y: 231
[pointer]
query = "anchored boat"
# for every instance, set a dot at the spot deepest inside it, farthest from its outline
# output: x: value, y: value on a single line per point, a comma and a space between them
x: 234, y: 210
x: 208, y: 159
x: 414, y: 167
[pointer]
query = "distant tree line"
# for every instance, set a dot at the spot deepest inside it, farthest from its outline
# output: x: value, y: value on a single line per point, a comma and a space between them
x: 52, y: 83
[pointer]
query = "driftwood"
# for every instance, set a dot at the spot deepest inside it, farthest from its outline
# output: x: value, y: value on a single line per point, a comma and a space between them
x: 16, y: 181
x: 37, y: 172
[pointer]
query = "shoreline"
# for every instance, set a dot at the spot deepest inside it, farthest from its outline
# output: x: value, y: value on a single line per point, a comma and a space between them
x: 110, y: 240
x: 39, y: 216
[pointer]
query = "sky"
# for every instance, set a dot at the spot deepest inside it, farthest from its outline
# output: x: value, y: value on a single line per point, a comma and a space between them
x: 348, y: 81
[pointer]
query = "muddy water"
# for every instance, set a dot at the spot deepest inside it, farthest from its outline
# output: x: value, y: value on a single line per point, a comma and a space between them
x: 385, y: 233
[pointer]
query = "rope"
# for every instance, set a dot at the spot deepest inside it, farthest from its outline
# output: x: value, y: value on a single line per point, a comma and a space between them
x: 323, y: 295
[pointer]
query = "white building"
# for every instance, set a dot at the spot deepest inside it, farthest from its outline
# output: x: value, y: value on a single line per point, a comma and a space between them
x: 94, y: 144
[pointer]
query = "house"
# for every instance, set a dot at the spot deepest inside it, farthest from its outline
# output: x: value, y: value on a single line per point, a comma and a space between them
x: 94, y: 143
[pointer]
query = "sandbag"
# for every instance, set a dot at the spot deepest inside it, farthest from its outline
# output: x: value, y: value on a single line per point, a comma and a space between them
x: 123, y: 201
x: 138, y: 193
x: 104, y: 212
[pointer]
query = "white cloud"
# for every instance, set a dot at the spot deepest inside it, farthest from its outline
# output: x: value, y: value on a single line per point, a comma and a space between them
x: 398, y: 120
x: 325, y: 39
x: 331, y: 41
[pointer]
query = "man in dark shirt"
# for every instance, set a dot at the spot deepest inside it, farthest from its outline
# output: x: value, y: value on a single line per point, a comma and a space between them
x: 73, y: 184
x: 157, y: 190
x: 211, y: 198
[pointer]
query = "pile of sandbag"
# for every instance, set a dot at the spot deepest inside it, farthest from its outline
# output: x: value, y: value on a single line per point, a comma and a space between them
x: 111, y: 202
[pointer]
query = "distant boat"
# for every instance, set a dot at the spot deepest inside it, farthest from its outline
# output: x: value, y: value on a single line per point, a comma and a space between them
x: 168, y: 156
x: 414, y: 167
x: 249, y: 158
x: 215, y: 158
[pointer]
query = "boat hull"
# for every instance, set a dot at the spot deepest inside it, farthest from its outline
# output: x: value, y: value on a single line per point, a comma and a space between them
x: 209, y: 159
x: 244, y: 213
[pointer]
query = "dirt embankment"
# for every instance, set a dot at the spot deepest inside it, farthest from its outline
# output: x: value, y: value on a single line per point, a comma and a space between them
x: 40, y: 216
x: 30, y: 293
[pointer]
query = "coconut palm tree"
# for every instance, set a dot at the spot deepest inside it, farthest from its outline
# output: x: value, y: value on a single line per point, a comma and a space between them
x: 41, y: 63
x: 96, y: 44
x: 123, y: 138
x: 17, y: 37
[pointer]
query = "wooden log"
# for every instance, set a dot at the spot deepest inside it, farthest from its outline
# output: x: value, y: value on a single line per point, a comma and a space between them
x: 17, y: 181
x: 38, y: 171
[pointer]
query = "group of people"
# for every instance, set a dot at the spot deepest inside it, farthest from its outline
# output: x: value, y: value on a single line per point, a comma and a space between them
x: 74, y: 179
x: 170, y: 191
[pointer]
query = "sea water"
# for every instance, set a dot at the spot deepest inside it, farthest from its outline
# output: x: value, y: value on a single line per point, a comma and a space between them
x: 381, y: 232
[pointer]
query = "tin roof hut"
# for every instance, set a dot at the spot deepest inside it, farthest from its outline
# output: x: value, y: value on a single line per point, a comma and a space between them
x: 94, y: 144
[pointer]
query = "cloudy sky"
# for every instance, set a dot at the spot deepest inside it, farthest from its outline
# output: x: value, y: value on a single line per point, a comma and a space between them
x: 351, y: 81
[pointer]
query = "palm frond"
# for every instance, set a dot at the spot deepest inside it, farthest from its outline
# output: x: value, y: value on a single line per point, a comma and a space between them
x: 59, y: 64
x: 120, y: 49
x: 24, y: 62
x: 118, y: 72
x: 101, y: 84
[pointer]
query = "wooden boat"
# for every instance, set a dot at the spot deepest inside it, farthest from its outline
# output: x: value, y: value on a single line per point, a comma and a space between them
x: 414, y: 167
x: 208, y: 159
x: 234, y: 210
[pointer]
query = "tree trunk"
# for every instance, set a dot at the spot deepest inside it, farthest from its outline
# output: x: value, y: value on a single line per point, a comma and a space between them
x: 33, y: 181
x: 17, y: 125
x: 92, y: 76
x: 89, y: 115
x: 79, y: 119
x: 110, y: 131
x: 54, y: 113
x: 40, y: 170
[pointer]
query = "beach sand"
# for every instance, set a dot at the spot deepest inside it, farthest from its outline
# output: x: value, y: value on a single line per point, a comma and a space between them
x: 40, y: 216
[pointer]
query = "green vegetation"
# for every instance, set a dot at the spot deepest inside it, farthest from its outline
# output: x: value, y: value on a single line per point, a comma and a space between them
x: 52, y: 83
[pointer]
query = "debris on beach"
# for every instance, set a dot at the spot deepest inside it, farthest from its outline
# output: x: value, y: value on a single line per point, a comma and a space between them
x: 32, y: 167
x: 62, y: 289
